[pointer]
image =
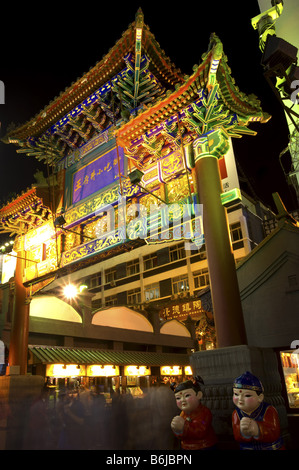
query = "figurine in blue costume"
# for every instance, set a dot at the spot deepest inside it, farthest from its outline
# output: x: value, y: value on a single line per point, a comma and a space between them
x: 255, y: 423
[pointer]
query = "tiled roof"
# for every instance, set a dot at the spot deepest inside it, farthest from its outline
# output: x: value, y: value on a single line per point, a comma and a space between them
x: 111, y: 64
x: 50, y: 355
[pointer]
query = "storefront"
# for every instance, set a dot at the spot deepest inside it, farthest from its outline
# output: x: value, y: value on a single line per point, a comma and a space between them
x: 107, y: 371
x: 290, y: 368
x: 177, y: 374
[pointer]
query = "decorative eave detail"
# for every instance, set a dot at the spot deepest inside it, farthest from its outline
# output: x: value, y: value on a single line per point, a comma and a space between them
x: 23, y: 213
x: 111, y: 64
x: 19, y: 204
x: 172, y: 104
x: 212, y: 70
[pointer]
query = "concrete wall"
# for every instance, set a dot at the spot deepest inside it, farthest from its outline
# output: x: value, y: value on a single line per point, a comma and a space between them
x: 269, y: 286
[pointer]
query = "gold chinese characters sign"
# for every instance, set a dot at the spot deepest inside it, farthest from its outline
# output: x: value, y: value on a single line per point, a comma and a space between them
x: 181, y: 311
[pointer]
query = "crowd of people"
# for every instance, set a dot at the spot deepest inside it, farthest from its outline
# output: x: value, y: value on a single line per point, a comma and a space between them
x: 80, y: 419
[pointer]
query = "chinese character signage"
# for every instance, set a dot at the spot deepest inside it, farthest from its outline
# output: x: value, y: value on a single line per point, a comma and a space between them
x: 181, y: 311
x: 97, y: 174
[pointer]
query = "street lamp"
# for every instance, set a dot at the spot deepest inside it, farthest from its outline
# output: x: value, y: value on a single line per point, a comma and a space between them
x: 7, y: 247
x: 70, y: 291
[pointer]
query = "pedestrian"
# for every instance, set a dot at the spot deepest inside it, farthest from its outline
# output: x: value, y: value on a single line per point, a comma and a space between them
x: 163, y: 407
x: 97, y: 421
x: 72, y: 418
x: 37, y: 434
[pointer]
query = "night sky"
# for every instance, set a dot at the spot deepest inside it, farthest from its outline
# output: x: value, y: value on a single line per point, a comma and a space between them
x: 45, y: 49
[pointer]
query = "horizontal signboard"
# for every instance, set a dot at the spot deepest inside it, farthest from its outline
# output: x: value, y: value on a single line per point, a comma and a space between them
x: 98, y: 174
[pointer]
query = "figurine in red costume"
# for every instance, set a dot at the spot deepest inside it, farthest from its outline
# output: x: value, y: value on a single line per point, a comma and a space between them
x: 255, y: 423
x: 194, y: 425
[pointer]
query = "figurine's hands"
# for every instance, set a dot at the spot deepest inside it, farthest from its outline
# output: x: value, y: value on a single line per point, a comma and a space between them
x: 249, y: 427
x: 177, y: 424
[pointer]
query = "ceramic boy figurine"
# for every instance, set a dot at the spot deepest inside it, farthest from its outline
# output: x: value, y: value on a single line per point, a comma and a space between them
x: 255, y: 423
x: 194, y: 425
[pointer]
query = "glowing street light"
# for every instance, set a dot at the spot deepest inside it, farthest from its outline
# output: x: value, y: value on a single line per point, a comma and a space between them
x: 70, y: 291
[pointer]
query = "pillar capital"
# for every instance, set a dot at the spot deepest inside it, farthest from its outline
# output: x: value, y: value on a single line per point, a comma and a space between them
x: 214, y: 143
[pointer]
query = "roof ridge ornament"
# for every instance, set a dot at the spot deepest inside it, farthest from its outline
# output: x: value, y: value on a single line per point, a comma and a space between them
x: 139, y: 18
x: 138, y: 44
x: 217, y: 51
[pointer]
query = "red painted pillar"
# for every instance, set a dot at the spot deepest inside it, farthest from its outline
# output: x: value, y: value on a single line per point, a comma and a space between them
x: 18, y: 347
x: 228, y: 315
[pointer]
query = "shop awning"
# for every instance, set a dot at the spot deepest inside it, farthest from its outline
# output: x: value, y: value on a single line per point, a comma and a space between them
x: 62, y: 355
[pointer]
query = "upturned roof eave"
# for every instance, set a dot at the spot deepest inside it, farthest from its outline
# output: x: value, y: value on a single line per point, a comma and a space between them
x: 97, y: 76
x: 72, y: 95
x: 236, y: 101
x: 19, y: 203
x: 140, y: 124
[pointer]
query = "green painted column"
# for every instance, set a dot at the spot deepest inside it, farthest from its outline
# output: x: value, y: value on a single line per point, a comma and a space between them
x: 228, y: 315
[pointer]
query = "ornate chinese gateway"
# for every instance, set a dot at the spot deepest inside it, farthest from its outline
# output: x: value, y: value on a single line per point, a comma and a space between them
x: 133, y: 148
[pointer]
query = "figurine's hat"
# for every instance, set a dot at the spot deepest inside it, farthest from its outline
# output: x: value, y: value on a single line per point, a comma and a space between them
x: 248, y: 381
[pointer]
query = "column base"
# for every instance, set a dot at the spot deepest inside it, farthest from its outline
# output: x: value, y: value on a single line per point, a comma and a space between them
x: 13, y: 370
x: 17, y: 393
x: 219, y: 367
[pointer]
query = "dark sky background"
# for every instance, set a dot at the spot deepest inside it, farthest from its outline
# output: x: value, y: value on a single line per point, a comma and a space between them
x: 44, y: 48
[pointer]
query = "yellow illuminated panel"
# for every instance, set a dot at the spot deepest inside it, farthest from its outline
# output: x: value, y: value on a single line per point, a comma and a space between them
x: 35, y: 237
x: 171, y: 370
x: 68, y: 370
x: 139, y: 371
x: 8, y: 266
x: 188, y: 370
x: 138, y: 34
x: 102, y: 371
x: 290, y: 364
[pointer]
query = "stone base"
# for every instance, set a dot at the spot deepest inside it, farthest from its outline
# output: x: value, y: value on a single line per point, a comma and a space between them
x: 17, y: 393
x: 218, y: 369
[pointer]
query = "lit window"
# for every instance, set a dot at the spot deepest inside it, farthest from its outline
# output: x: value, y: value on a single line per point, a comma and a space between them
x: 236, y: 235
x: 201, y: 278
x: 95, y: 280
x: 134, y: 296
x: 180, y: 284
x: 110, y: 300
x: 110, y: 275
x: 177, y: 252
x: 150, y: 261
x: 152, y: 291
x: 200, y: 251
x: 133, y: 267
